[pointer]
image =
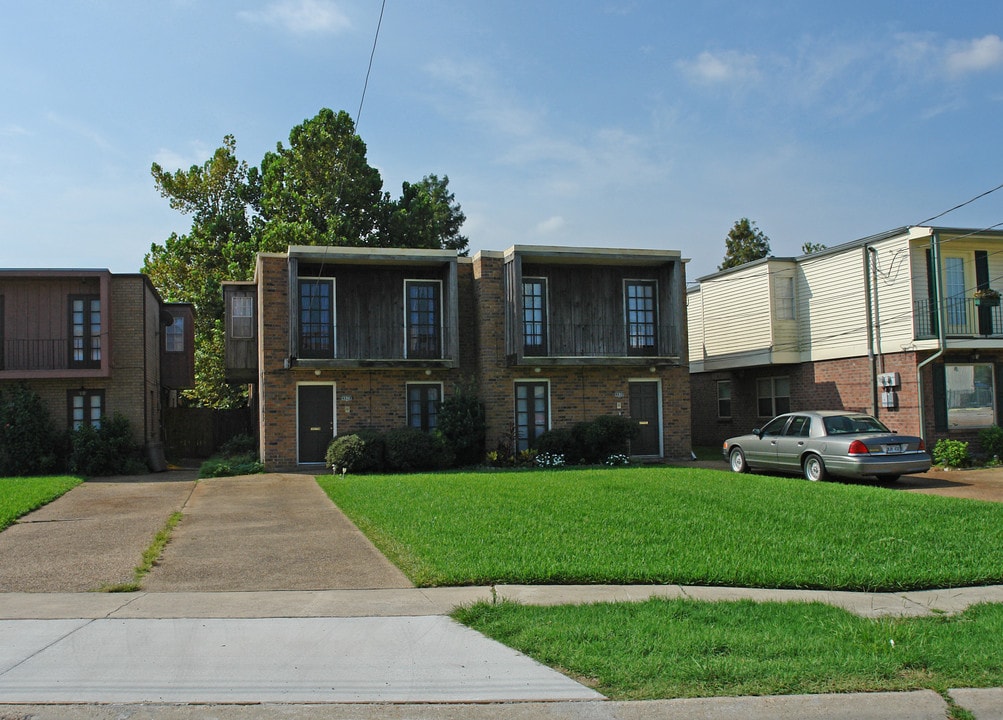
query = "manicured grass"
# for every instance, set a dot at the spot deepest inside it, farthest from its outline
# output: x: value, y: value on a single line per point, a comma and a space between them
x: 671, y: 525
x: 682, y: 648
x: 20, y: 495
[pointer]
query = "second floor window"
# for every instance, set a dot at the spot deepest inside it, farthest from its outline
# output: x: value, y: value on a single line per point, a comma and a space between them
x: 242, y: 316
x: 639, y: 303
x: 534, y: 316
x: 174, y: 336
x: 424, y: 318
x: 316, y: 318
x: 85, y: 331
x: 783, y: 297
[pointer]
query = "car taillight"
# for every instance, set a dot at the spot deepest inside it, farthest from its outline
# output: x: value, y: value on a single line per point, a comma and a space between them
x: 922, y: 445
x: 857, y: 447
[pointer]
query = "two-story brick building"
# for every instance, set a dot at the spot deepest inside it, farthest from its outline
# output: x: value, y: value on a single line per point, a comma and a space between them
x: 92, y: 343
x: 902, y: 325
x: 339, y: 339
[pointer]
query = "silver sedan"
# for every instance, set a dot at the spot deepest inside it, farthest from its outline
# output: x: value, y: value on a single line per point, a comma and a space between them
x: 827, y: 442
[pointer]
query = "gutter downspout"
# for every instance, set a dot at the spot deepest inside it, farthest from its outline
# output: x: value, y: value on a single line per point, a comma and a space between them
x: 941, y: 340
x: 871, y: 358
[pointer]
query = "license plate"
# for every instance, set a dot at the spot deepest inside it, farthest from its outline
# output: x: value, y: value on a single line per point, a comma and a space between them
x: 893, y: 448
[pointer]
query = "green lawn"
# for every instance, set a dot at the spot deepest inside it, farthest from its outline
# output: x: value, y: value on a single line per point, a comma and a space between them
x: 671, y: 525
x: 21, y: 495
x: 683, y: 648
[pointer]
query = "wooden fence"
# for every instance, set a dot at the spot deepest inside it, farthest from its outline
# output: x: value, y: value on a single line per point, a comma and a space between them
x: 198, y: 432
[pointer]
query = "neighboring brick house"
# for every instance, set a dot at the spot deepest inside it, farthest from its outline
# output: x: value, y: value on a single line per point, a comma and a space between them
x: 889, y: 325
x: 92, y: 343
x: 339, y: 339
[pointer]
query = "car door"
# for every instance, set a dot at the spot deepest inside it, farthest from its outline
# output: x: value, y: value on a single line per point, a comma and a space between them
x: 791, y: 444
x: 761, y: 451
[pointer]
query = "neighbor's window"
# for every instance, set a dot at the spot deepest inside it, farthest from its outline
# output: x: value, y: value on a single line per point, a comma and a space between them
x: 783, y: 297
x: 971, y: 395
x: 86, y: 408
x: 242, y: 316
x: 85, y: 331
x: 423, y: 405
x: 174, y: 335
x: 534, y: 316
x: 773, y: 395
x: 724, y: 398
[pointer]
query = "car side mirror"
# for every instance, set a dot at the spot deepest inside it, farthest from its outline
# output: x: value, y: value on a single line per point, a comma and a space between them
x: 757, y: 432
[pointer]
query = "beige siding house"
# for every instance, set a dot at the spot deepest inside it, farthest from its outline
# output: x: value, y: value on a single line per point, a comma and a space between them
x: 891, y: 324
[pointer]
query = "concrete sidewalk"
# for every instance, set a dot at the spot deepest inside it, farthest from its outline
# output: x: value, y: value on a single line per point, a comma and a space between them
x: 260, y: 613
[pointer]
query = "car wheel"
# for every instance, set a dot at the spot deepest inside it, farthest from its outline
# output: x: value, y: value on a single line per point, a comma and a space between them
x: 737, y: 460
x: 814, y: 468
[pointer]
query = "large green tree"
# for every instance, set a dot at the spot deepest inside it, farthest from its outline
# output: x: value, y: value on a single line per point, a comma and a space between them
x: 320, y: 190
x: 745, y: 243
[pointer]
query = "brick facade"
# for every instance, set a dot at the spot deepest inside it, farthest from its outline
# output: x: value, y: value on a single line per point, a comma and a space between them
x: 374, y: 396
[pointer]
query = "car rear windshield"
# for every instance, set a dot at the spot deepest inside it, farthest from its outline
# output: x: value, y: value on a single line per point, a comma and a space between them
x: 844, y: 424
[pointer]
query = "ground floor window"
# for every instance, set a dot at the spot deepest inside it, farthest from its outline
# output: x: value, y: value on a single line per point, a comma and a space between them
x: 423, y: 405
x: 773, y: 395
x: 532, y: 412
x: 971, y: 395
x: 724, y: 399
x: 86, y: 407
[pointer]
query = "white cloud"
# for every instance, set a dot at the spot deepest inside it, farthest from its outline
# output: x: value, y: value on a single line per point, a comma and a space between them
x: 719, y: 68
x: 975, y: 55
x: 301, y: 16
x: 550, y: 225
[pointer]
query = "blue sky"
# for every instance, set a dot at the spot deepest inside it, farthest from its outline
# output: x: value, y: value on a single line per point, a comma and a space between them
x: 621, y: 123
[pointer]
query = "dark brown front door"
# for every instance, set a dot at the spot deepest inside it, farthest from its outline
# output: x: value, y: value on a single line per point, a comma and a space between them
x: 316, y: 421
x: 644, y: 409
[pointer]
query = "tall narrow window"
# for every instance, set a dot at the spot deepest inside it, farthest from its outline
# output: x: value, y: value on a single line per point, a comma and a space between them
x: 85, y: 331
x: 773, y: 395
x: 532, y: 413
x: 424, y: 318
x: 783, y: 297
x: 316, y: 318
x: 174, y: 335
x: 86, y: 407
x: 242, y: 316
x: 724, y: 398
x: 423, y: 405
x: 534, y: 316
x: 955, y: 289
x: 639, y: 303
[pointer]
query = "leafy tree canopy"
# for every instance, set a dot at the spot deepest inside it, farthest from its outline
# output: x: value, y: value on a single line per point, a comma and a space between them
x: 318, y: 190
x: 812, y: 247
x: 745, y: 243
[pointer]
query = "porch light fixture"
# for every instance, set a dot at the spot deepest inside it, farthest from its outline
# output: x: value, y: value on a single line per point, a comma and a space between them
x: 317, y: 373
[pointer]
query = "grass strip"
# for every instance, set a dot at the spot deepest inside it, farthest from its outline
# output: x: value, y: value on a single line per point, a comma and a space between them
x: 671, y: 525
x: 20, y: 495
x: 149, y: 558
x: 684, y: 648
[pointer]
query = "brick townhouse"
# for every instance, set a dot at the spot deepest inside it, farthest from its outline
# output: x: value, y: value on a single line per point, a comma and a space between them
x: 338, y: 339
x: 92, y: 343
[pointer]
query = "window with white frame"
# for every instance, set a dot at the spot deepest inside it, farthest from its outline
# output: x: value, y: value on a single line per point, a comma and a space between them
x: 534, y: 316
x: 783, y: 297
x: 773, y: 395
x: 242, y: 316
x: 971, y: 395
x: 174, y: 335
x: 86, y: 407
x: 532, y: 412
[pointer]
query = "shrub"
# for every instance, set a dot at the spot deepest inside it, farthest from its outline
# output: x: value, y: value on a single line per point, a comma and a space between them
x: 462, y: 423
x: 358, y: 452
x: 607, y: 435
x: 561, y: 442
x: 991, y: 442
x: 951, y: 453
x: 26, y: 441
x: 229, y: 466
x: 242, y: 444
x: 409, y: 449
x: 107, y: 450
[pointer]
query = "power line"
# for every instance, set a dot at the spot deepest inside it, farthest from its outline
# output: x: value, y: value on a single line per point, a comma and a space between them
x: 372, y: 54
x: 958, y: 207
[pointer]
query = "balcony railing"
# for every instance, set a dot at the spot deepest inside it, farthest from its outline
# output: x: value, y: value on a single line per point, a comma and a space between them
x: 963, y: 317
x: 378, y: 343
x: 16, y: 354
x: 590, y: 340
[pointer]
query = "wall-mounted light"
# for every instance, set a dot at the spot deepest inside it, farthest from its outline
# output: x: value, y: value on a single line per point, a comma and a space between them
x: 317, y: 373
x: 428, y: 372
x: 536, y: 370
x: 651, y: 369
